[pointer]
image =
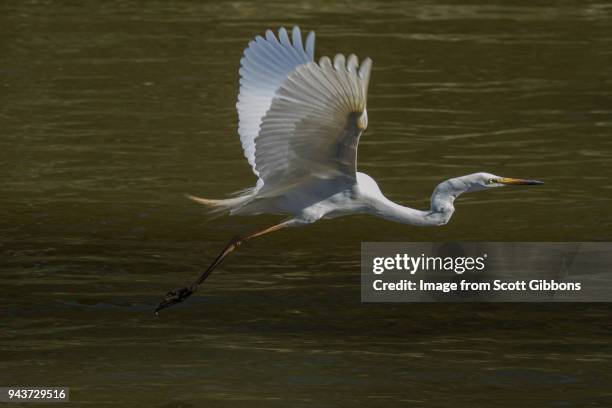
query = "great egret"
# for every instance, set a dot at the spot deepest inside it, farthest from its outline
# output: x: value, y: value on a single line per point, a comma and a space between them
x: 299, y: 124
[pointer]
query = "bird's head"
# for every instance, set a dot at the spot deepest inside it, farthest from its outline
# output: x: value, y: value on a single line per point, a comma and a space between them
x: 453, y: 188
x: 446, y: 192
x: 483, y: 181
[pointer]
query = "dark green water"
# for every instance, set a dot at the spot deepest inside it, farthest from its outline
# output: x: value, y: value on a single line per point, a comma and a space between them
x: 110, y: 111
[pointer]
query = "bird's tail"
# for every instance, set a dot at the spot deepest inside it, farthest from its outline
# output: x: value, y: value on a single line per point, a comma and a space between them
x: 220, y: 207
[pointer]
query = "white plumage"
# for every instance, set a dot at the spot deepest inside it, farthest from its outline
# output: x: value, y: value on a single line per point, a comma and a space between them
x: 299, y: 124
x: 264, y: 67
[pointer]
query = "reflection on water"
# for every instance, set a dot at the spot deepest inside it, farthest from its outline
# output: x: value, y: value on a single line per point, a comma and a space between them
x: 110, y: 112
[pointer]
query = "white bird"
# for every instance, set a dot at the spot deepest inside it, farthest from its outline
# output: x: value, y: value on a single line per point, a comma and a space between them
x: 299, y: 123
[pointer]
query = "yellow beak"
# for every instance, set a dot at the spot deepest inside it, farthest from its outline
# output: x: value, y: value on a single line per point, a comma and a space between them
x: 518, y: 182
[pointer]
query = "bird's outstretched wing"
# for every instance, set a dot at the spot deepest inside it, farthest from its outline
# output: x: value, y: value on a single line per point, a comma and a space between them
x: 266, y: 63
x: 314, y: 123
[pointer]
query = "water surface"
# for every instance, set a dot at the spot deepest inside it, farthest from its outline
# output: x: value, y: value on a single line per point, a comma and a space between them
x: 111, y: 111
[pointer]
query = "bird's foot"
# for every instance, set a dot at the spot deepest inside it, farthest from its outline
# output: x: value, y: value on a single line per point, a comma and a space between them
x: 174, y: 297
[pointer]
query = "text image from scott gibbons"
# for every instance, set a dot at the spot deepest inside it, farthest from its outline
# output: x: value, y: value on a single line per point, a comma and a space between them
x: 486, y: 272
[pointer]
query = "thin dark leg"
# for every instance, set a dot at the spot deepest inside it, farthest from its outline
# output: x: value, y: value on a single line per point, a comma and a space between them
x: 179, y: 295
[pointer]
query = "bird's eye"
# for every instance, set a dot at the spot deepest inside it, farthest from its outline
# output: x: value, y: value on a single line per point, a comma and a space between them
x: 490, y: 181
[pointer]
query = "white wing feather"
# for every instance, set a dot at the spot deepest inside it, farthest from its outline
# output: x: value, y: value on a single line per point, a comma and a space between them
x: 313, y: 125
x: 266, y: 63
x: 298, y: 120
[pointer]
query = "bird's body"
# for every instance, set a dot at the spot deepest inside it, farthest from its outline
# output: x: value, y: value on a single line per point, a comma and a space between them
x: 327, y: 199
x: 299, y: 124
x: 332, y: 198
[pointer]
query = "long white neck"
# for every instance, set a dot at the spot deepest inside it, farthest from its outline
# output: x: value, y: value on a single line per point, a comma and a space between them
x: 440, y: 211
